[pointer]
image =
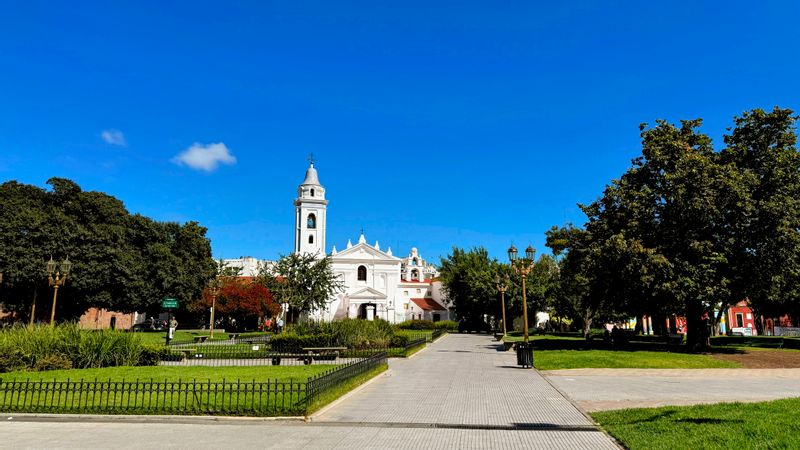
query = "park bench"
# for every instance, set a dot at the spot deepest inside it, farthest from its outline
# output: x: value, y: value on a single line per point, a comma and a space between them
x: 233, y: 336
x: 309, y: 354
x: 200, y: 339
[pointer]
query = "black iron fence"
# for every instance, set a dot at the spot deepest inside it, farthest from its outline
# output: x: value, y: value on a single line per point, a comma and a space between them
x: 317, y: 386
x: 267, y: 398
x: 250, y: 355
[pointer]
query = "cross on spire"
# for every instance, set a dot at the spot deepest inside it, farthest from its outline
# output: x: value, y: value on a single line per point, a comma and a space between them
x: 311, y: 158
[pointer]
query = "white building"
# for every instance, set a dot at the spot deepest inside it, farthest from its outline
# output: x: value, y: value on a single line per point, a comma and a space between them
x: 247, y: 265
x: 377, y: 283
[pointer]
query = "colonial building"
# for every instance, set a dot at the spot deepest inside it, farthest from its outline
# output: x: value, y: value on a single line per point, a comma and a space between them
x: 377, y: 283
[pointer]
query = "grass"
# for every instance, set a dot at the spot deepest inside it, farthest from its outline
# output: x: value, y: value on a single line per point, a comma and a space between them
x: 766, y: 425
x: 611, y: 359
x: 566, y: 352
x: 175, y: 373
x: 332, y: 394
x: 159, y: 337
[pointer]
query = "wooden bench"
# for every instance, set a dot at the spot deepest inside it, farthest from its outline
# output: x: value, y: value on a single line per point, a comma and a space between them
x: 233, y: 336
x: 200, y: 339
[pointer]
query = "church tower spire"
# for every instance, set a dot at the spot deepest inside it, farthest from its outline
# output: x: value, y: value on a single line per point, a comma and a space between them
x: 310, y: 214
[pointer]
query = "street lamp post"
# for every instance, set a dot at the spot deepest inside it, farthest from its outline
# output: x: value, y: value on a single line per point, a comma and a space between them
x: 502, y: 287
x: 523, y: 267
x: 57, y: 275
x: 215, y: 285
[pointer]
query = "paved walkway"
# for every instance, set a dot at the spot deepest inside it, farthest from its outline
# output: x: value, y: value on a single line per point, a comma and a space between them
x: 606, y: 389
x: 464, y: 382
x: 459, y: 393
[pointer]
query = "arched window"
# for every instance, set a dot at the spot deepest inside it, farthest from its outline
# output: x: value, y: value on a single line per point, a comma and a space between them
x: 415, y: 275
x: 310, y: 238
x: 414, y: 262
x: 312, y: 192
x: 311, y: 223
x: 362, y: 273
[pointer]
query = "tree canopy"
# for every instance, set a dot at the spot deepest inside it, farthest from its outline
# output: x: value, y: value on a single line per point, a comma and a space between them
x: 690, y: 230
x: 302, y: 281
x: 122, y: 261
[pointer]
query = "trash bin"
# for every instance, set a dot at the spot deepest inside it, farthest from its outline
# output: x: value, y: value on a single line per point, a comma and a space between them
x: 525, y: 355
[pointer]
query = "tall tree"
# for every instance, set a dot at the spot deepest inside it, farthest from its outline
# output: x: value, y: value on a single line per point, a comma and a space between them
x: 468, y: 282
x: 121, y: 261
x: 302, y: 281
x: 766, y: 236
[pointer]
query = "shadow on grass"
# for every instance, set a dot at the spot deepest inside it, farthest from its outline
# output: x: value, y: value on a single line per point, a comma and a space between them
x: 668, y: 416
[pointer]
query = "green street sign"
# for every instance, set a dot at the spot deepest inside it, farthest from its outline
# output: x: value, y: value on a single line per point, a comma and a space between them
x: 169, y: 303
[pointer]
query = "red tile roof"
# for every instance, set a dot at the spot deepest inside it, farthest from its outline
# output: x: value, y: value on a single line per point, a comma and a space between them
x: 428, y: 304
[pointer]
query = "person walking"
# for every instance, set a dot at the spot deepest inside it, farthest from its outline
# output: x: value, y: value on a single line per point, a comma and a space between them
x: 280, y: 324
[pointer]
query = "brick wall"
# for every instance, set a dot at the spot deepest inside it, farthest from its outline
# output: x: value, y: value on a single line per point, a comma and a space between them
x: 95, y: 319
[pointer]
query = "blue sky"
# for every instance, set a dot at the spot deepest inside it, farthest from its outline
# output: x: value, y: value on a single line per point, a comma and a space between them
x: 433, y: 124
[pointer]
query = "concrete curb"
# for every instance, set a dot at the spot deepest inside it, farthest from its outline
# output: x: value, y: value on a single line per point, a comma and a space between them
x: 578, y: 408
x: 339, y: 400
x: 155, y: 419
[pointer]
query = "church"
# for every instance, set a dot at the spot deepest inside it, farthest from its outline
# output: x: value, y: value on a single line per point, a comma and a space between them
x: 377, y: 283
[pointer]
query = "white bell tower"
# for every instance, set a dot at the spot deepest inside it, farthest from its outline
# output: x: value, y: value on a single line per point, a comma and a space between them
x: 311, y: 210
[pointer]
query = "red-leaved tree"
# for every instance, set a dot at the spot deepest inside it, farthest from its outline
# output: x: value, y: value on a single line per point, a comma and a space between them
x: 243, y: 300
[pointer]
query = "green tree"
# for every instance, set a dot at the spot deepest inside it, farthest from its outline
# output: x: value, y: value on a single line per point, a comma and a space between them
x: 468, y: 282
x: 121, y: 261
x: 766, y: 237
x: 303, y: 282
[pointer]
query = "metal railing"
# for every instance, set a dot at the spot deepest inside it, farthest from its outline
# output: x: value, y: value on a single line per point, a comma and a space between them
x: 329, y: 380
x: 267, y: 398
x: 252, y: 398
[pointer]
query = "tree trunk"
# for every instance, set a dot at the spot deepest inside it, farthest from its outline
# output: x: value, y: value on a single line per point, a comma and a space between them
x: 639, y: 327
x: 587, y: 326
x: 697, y: 335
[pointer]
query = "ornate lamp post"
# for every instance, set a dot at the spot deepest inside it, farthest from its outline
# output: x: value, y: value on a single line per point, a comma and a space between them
x: 57, y: 275
x: 214, y: 288
x: 502, y: 287
x: 523, y: 267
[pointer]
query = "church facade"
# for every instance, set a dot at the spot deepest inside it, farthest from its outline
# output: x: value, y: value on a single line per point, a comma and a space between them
x: 377, y: 283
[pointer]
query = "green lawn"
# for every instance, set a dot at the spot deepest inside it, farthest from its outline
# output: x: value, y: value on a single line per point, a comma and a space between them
x: 175, y: 373
x: 159, y: 337
x: 765, y: 425
x: 250, y: 391
x: 618, y: 359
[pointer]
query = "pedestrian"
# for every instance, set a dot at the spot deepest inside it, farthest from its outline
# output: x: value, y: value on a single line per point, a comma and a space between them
x: 280, y: 324
x: 267, y: 325
x: 173, y: 325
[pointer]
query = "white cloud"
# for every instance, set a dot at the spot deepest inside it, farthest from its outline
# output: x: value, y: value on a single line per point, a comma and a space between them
x: 205, y: 157
x: 114, y: 137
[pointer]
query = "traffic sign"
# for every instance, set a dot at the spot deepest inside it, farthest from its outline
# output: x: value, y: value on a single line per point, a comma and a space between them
x: 169, y: 303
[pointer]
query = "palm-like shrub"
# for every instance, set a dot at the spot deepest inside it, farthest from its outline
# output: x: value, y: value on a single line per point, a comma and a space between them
x: 44, y: 347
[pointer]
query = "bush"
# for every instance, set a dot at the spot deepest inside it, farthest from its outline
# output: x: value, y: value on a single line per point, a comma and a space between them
x: 293, y: 342
x: 417, y: 325
x: 44, y: 347
x: 12, y: 360
x: 447, y: 325
x: 400, y: 340
x: 351, y: 333
x: 52, y: 362
x: 151, y: 355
